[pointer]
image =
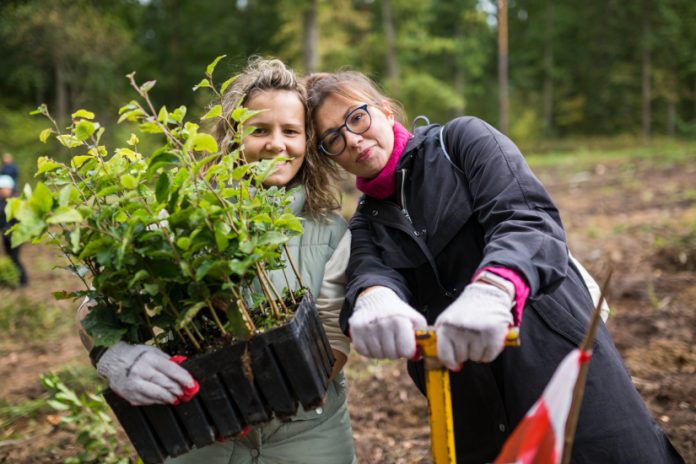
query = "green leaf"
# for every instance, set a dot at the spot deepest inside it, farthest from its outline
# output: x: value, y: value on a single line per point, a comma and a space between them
x: 151, y: 289
x: 150, y: 128
x: 178, y: 114
x: 272, y: 237
x: 221, y: 231
x: 64, y: 215
x: 163, y: 115
x: 214, y: 112
x: 183, y: 242
x: 42, y: 198
x: 66, y: 194
x: 131, y: 155
x: 130, y: 106
x: 69, y: 141
x: 140, y: 275
x: 211, y: 67
x: 204, y: 142
x: 227, y: 83
x: 84, y: 129
x: 147, y: 86
x: 133, y: 140
x: 129, y: 181
x: 185, y: 318
x: 238, y: 267
x: 78, y: 161
x: 75, y: 239
x: 42, y: 109
x: 201, y: 84
x: 131, y: 115
x: 45, y: 134
x: 83, y: 114
x: 200, y: 163
x: 289, y: 221
x: 45, y: 164
x: 162, y: 187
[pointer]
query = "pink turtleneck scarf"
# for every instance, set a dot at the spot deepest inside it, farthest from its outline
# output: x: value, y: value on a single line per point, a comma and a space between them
x: 384, y: 184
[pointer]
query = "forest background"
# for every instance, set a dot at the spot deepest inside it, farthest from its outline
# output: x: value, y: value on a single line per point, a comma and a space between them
x: 599, y: 94
x: 597, y: 68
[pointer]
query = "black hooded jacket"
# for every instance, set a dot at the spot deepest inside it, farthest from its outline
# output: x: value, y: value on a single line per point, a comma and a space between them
x: 465, y: 199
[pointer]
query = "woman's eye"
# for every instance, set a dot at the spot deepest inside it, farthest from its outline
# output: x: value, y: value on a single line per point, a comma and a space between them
x: 332, y: 140
x: 259, y: 131
x: 357, y: 116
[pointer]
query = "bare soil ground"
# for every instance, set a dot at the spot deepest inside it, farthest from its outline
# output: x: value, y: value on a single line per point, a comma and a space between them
x: 620, y: 213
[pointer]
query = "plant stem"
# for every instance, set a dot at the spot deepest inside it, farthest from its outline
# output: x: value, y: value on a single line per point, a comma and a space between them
x: 292, y: 265
x: 192, y: 339
x: 275, y: 291
x: 243, y: 308
x: 261, y: 274
x: 213, y: 311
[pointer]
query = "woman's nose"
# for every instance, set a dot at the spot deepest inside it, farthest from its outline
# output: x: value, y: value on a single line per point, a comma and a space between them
x: 275, y: 143
x: 352, y: 140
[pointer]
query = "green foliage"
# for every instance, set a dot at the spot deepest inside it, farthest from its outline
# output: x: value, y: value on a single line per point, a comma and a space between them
x: 86, y: 415
x: 160, y: 238
x: 9, y: 274
x: 439, y: 102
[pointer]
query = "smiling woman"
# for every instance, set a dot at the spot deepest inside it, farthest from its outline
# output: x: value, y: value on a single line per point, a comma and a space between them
x: 279, y: 131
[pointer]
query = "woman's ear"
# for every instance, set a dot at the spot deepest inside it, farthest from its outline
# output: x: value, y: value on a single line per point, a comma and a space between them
x: 386, y: 109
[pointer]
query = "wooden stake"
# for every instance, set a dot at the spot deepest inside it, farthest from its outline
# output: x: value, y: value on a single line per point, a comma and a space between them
x: 579, y: 390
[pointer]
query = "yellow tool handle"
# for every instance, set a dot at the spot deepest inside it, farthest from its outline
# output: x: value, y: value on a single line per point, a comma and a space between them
x: 437, y: 386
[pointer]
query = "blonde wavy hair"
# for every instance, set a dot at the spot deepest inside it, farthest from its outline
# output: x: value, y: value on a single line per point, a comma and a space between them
x: 318, y: 175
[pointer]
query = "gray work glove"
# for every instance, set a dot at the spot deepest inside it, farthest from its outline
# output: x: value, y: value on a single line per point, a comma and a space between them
x: 384, y: 326
x: 474, y: 326
x: 143, y: 375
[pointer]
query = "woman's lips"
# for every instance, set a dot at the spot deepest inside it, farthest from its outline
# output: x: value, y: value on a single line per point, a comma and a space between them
x: 365, y: 154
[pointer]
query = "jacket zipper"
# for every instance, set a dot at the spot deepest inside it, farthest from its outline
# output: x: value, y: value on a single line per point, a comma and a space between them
x: 404, y: 211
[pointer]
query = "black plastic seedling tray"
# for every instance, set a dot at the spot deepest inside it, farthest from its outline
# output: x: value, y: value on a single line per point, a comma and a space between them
x: 290, y: 366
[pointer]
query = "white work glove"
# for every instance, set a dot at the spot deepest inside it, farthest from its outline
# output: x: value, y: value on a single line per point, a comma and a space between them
x: 383, y: 325
x: 474, y: 326
x: 143, y: 375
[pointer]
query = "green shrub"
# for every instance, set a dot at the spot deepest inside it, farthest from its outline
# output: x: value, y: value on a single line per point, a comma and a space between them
x: 9, y: 274
x: 86, y: 416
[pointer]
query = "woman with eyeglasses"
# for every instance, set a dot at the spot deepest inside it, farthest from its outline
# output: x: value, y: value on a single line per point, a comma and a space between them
x: 455, y: 231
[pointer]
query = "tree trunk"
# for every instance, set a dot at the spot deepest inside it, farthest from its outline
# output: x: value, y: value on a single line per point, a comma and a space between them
x: 503, y: 101
x: 311, y: 37
x: 646, y: 71
x: 391, y: 62
x: 460, y: 72
x: 548, y: 68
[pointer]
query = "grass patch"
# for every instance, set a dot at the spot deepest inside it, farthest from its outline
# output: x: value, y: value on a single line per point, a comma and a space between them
x: 579, y: 154
x: 24, y: 320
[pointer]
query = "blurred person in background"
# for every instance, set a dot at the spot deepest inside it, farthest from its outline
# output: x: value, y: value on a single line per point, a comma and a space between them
x: 7, y: 190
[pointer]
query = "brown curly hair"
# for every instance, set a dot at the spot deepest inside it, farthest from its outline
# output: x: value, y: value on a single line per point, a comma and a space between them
x: 353, y: 85
x: 318, y: 175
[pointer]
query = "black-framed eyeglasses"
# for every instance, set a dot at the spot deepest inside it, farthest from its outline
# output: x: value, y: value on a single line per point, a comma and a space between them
x: 358, y: 121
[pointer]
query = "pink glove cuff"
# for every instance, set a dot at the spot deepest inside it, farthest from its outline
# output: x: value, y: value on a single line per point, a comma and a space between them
x: 521, y: 289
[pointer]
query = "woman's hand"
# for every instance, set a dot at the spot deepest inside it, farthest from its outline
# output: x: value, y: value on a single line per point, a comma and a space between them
x: 383, y: 325
x: 143, y: 375
x: 474, y: 326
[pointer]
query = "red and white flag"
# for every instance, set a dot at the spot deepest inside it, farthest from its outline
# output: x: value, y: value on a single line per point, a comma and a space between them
x: 539, y: 437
